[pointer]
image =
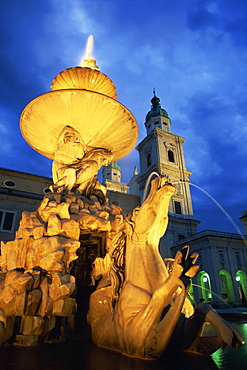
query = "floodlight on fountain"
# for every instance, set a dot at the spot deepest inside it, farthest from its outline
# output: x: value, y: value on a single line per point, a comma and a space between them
x: 85, y: 99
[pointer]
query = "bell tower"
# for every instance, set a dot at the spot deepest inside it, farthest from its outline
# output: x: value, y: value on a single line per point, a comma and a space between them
x: 161, y: 151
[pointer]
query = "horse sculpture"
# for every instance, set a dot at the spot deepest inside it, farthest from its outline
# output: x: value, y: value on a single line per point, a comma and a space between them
x: 140, y: 306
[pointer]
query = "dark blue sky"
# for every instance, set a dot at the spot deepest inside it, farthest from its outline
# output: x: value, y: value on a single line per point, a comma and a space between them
x: 193, y: 52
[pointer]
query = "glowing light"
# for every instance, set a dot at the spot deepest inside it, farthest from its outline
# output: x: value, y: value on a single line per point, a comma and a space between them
x: 204, y: 279
x: 237, y: 278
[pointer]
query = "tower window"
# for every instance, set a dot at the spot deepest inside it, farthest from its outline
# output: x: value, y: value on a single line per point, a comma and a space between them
x: 148, y: 160
x: 178, y: 210
x: 165, y: 123
x: 171, y: 156
x: 156, y: 123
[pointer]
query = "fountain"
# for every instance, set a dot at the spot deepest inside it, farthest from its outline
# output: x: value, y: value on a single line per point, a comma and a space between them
x: 140, y: 305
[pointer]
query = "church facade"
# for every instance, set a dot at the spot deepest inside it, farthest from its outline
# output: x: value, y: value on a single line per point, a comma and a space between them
x: 222, y: 277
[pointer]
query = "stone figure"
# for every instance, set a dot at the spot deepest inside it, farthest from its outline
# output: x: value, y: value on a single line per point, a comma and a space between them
x: 75, y: 165
x: 140, y: 306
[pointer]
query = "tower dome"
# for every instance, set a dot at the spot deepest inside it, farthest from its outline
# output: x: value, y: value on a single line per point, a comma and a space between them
x: 113, y: 165
x: 157, y: 117
x: 156, y: 109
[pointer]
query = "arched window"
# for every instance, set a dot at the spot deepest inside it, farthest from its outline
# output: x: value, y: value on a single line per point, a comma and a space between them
x: 205, y: 292
x: 226, y: 286
x: 148, y: 160
x: 241, y: 279
x: 171, y: 156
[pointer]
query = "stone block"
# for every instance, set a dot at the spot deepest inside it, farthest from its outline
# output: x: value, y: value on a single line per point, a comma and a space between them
x: 49, y: 324
x: 88, y: 221
x: 2, y: 280
x: 81, y: 203
x: 70, y: 247
x: 63, y: 210
x: 27, y: 340
x: 74, y: 208
x: 32, y: 325
x: 12, y: 275
x: 6, y: 327
x: 54, y: 225
x: 64, y: 307
x: 7, y: 294
x: 47, y: 245
x: 32, y: 302
x: 11, y: 255
x: 53, y: 197
x: 3, y: 257
x: 43, y: 204
x: 39, y: 231
x: 93, y: 209
x: 60, y: 292
x: 70, y: 198
x: 8, y: 305
x: 103, y: 214
x: 22, y: 283
x: 53, y: 262
x: 36, y: 278
x: 31, y: 258
x: 20, y: 304
x: 44, y: 305
x: 50, y: 209
x: 70, y: 228
x: 62, y: 286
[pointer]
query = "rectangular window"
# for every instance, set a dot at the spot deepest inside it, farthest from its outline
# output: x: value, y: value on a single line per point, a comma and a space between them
x: 238, y: 258
x: 221, y: 256
x: 178, y: 210
x: 7, y: 220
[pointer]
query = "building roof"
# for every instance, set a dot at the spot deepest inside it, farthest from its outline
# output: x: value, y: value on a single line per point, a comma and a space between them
x: 113, y: 165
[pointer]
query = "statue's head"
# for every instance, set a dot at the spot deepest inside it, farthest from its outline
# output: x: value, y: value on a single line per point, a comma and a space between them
x: 70, y: 136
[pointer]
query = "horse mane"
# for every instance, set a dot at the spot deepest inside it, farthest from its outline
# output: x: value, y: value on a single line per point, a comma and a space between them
x: 117, y: 271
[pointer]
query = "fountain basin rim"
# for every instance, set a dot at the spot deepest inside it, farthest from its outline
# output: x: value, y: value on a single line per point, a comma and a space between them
x: 101, y: 120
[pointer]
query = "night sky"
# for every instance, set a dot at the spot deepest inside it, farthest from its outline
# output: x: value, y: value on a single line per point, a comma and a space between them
x: 194, y: 52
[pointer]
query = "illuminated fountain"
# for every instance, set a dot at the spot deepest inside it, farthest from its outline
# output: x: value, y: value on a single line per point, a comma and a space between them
x: 140, y: 306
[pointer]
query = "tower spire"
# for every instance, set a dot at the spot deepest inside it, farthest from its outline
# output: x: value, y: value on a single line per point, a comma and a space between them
x: 157, y: 117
